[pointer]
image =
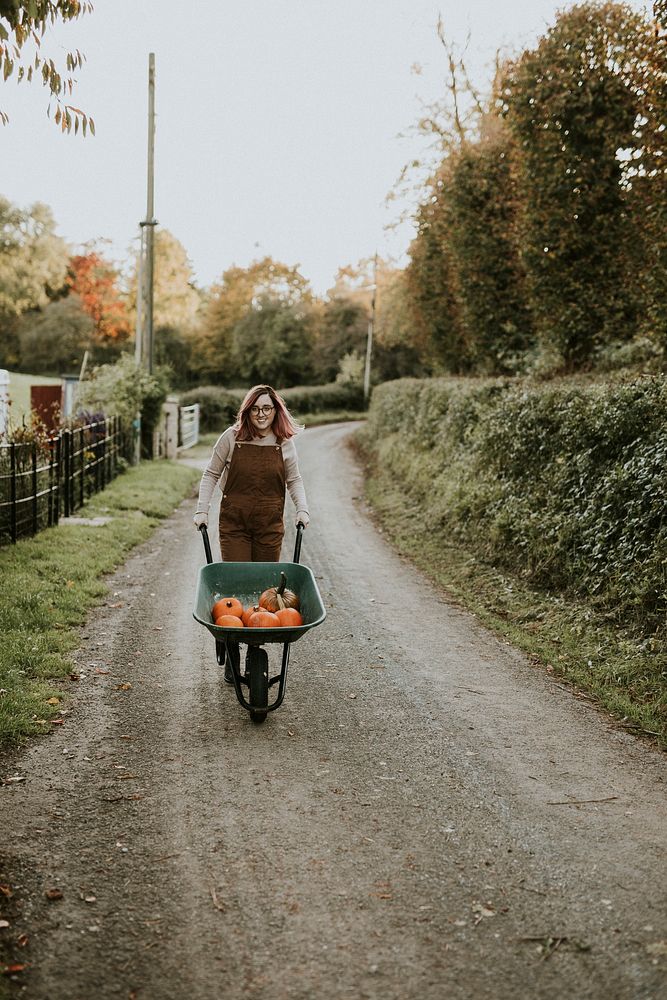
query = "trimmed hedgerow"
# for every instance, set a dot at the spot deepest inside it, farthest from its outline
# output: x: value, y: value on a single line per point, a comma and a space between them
x: 563, y: 484
x: 218, y: 406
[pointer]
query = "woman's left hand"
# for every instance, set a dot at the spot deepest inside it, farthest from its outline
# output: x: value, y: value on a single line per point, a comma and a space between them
x: 302, y: 518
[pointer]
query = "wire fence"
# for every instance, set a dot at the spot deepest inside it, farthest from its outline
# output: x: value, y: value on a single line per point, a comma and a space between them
x: 41, y: 481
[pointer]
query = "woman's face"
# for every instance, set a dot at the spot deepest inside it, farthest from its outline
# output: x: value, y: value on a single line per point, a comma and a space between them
x: 262, y: 413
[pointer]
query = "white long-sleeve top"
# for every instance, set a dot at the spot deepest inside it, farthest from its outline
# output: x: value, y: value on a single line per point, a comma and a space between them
x: 216, y: 471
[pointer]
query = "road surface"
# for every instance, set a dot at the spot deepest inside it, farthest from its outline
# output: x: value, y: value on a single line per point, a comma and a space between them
x: 427, y: 815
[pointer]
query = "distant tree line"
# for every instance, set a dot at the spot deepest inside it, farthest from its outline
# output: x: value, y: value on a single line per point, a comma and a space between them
x: 257, y: 322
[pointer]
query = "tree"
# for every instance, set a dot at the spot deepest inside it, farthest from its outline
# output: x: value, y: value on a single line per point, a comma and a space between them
x: 95, y: 281
x: 24, y: 21
x: 53, y: 340
x: 340, y: 329
x: 33, y: 260
x: 572, y: 103
x: 230, y: 300
x: 483, y: 206
x: 273, y: 343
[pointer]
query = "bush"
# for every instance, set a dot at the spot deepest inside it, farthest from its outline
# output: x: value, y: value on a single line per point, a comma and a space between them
x: 562, y: 483
x: 219, y: 406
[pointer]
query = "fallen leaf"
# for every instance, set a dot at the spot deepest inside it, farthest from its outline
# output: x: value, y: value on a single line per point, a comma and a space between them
x: 90, y: 899
x: 124, y: 687
x: 4, y: 923
x: 118, y: 605
x: 6, y: 891
x: 657, y: 948
x: 53, y: 701
x: 57, y: 722
x: 99, y: 671
x: 15, y: 779
x: 353, y: 696
x: 22, y: 940
x: 216, y: 902
x: 8, y: 970
x: 74, y: 677
x: 53, y: 894
x: 158, y: 628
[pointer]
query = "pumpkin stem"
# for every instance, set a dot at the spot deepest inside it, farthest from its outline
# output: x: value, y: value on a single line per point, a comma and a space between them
x: 283, y: 583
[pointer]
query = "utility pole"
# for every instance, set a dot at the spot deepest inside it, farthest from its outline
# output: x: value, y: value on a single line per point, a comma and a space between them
x: 369, y: 339
x: 144, y: 348
x: 150, y: 222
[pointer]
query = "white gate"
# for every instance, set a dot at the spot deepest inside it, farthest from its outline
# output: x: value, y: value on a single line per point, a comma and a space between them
x: 188, y: 426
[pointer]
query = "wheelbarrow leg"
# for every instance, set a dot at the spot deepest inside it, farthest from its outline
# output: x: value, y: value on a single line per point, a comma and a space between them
x: 232, y: 660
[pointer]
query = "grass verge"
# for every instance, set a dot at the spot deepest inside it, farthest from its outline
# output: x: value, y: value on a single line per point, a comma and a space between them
x: 49, y: 583
x: 618, y: 670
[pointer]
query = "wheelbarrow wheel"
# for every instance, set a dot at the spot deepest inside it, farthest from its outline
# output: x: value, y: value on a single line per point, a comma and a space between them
x: 258, y: 682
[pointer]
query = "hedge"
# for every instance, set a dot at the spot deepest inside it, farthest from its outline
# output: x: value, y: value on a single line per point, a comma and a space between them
x: 563, y: 483
x: 219, y: 406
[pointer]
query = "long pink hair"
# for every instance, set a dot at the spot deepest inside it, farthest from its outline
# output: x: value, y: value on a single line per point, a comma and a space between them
x: 284, y: 425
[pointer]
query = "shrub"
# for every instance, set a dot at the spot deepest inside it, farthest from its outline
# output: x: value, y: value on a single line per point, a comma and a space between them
x: 561, y: 483
x: 219, y: 406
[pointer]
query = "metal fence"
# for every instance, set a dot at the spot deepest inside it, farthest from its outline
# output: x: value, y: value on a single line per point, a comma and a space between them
x: 40, y: 481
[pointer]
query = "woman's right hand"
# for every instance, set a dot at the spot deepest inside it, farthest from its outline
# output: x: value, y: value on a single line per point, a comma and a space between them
x: 199, y: 519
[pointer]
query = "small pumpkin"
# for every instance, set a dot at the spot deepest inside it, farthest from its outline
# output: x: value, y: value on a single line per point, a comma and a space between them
x: 245, y: 617
x: 228, y: 621
x: 227, y: 606
x: 289, y: 618
x: 263, y: 619
x: 277, y: 598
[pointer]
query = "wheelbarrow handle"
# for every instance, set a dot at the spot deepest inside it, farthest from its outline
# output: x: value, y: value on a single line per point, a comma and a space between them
x: 297, y: 544
x: 209, y: 554
x: 207, y: 544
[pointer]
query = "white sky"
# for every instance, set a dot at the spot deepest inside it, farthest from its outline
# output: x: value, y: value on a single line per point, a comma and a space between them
x: 278, y: 121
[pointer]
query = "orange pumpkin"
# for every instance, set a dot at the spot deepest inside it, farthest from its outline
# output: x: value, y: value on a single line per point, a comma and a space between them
x: 263, y: 619
x: 245, y: 617
x: 228, y: 621
x: 276, y: 598
x: 289, y: 617
x: 227, y: 606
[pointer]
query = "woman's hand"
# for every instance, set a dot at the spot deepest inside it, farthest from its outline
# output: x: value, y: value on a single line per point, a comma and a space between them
x: 302, y: 518
x: 199, y: 519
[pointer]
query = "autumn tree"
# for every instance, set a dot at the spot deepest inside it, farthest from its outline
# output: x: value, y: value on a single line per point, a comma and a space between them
x: 22, y: 27
x: 96, y: 283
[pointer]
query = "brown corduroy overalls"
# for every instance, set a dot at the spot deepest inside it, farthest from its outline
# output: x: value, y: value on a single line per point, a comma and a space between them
x: 251, y: 512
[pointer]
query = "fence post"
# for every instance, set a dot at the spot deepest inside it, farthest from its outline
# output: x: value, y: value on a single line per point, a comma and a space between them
x: 34, y: 488
x: 82, y: 467
x: 56, y: 498
x: 12, y: 489
x: 67, y: 442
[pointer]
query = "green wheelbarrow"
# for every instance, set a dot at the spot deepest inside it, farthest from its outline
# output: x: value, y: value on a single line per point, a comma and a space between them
x: 246, y: 581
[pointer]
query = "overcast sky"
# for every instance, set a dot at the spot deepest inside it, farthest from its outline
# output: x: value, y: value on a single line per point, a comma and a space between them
x: 278, y: 121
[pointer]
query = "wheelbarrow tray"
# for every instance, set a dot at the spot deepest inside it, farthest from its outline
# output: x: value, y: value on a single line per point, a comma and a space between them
x: 246, y: 581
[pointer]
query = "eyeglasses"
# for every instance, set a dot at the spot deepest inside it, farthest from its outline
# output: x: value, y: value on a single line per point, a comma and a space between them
x: 264, y: 410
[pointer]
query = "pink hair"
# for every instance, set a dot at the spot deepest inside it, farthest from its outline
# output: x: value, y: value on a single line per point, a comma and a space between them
x: 284, y: 425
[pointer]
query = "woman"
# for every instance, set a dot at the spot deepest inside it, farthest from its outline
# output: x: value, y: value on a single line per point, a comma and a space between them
x: 254, y: 461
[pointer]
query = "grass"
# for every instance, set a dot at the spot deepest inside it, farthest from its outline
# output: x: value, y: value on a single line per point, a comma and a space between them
x: 621, y: 672
x: 49, y: 583
x: 19, y: 393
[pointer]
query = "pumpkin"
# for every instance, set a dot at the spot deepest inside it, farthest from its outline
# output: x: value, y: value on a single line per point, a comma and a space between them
x: 228, y: 621
x: 289, y: 617
x: 263, y: 619
x: 245, y: 617
x: 276, y: 598
x: 227, y: 606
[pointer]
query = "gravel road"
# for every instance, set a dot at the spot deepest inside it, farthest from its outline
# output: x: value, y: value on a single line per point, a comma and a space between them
x: 427, y: 815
